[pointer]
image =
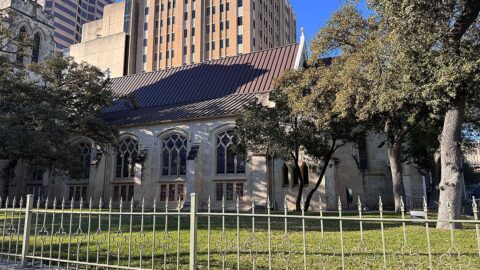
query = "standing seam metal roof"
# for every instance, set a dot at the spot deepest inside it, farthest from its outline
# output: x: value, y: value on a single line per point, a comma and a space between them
x: 219, y: 87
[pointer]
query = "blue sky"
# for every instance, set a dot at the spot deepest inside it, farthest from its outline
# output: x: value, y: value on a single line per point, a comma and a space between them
x: 313, y: 14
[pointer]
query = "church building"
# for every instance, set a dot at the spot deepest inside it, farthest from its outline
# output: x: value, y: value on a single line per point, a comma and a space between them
x: 177, y: 135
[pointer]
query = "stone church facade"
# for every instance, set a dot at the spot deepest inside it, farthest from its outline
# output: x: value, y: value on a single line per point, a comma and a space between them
x: 177, y: 139
x: 28, y: 18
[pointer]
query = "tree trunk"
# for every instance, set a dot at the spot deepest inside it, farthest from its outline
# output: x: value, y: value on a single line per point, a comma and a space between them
x: 436, y: 176
x: 326, y: 160
x: 451, y: 160
x: 319, y: 181
x: 298, y: 177
x: 394, y: 153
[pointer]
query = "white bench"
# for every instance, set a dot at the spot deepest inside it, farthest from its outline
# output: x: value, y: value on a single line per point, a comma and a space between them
x: 417, y: 214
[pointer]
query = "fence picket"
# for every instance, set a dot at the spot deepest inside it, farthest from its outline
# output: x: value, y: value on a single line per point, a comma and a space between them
x: 69, y: 230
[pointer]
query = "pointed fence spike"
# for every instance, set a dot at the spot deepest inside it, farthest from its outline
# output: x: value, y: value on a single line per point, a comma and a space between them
x: 154, y: 203
x: 339, y: 203
x: 474, y: 202
x: 143, y: 203
x: 302, y: 204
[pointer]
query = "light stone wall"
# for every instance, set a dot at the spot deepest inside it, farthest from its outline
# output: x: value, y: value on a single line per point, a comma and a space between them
x: 201, y: 176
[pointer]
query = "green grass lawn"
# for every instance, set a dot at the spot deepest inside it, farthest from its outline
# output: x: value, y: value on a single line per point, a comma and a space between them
x: 321, y: 252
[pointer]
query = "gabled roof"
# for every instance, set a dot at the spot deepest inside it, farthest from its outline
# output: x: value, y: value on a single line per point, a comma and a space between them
x: 215, y: 88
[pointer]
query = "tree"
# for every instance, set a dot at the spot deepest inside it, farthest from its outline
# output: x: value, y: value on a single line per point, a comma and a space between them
x: 275, y: 130
x: 302, y: 121
x: 370, y: 81
x: 43, y: 108
x: 439, y: 42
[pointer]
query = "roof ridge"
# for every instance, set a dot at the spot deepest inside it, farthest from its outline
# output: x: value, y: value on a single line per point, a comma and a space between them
x: 206, y: 62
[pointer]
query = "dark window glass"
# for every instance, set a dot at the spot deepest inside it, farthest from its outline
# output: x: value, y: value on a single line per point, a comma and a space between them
x: 36, y: 48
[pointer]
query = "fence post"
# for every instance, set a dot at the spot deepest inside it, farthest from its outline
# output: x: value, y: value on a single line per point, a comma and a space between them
x: 193, y: 231
x: 26, y: 230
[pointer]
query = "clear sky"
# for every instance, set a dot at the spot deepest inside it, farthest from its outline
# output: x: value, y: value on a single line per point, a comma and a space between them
x: 313, y: 14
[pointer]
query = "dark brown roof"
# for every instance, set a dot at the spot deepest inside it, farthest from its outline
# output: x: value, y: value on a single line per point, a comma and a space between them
x: 219, y: 87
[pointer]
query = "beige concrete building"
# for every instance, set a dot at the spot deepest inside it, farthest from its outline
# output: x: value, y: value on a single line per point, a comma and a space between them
x: 114, y: 43
x: 29, y: 19
x: 192, y: 31
x: 110, y: 43
x: 69, y: 15
x: 160, y: 34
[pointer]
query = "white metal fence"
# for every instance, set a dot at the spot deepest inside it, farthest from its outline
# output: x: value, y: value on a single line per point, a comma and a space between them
x: 61, y: 235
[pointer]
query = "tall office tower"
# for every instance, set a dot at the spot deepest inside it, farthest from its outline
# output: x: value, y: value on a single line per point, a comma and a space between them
x: 69, y: 15
x: 179, y: 32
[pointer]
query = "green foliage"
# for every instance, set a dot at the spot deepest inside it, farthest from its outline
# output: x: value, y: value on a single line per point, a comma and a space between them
x: 44, y: 107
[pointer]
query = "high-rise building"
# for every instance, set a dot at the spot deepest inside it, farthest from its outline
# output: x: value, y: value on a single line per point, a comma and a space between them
x: 161, y: 34
x: 70, y: 15
x: 182, y: 32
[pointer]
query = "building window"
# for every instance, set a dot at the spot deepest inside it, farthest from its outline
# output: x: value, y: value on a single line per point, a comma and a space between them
x: 285, y: 177
x: 22, y: 34
x: 78, y: 193
x: 240, y: 3
x: 174, y: 155
x: 362, y: 154
x: 305, y: 175
x: 240, y: 21
x: 126, y: 158
x: 37, y: 175
x: 36, y: 48
x: 227, y: 161
x: 172, y: 192
x: 230, y: 191
x: 83, y: 152
x: 240, y: 39
x: 124, y: 192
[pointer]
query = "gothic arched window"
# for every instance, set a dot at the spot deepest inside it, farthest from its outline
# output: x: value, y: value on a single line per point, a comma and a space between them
x: 126, y: 158
x: 304, y: 172
x: 36, y: 48
x: 285, y: 178
x: 228, y: 162
x: 22, y: 34
x: 174, y: 155
x: 84, y: 153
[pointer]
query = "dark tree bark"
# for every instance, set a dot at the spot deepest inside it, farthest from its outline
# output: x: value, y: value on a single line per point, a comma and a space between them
x: 435, y: 178
x: 394, y: 156
x: 298, y: 177
x: 326, y: 160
